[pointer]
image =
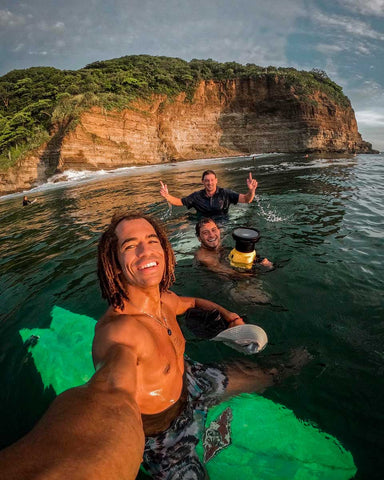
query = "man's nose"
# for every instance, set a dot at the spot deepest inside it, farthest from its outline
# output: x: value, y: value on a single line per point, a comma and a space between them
x: 142, y: 248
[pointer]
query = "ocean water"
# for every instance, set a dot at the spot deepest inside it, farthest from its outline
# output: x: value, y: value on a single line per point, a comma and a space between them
x: 321, y: 223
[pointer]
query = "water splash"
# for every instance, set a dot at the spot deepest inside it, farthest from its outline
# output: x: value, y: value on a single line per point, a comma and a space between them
x: 267, y: 212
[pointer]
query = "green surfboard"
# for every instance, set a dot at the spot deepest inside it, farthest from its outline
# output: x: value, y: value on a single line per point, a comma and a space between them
x: 248, y: 437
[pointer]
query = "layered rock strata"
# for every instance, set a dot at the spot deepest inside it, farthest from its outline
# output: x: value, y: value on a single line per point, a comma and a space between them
x: 224, y: 118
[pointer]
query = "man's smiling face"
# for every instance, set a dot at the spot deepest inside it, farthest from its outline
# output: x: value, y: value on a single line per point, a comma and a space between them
x: 210, y: 236
x: 210, y: 184
x: 140, y: 254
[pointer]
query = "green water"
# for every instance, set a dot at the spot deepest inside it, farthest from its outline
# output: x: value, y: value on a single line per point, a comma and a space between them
x: 322, y: 225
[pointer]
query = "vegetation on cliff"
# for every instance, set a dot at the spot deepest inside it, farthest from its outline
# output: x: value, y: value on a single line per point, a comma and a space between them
x: 41, y: 100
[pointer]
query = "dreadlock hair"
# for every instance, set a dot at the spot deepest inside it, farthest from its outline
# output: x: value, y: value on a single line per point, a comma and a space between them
x: 112, y: 283
x: 201, y: 222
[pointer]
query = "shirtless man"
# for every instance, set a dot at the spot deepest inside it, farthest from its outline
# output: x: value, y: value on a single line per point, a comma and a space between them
x: 140, y: 332
x: 211, y: 252
x: 212, y: 200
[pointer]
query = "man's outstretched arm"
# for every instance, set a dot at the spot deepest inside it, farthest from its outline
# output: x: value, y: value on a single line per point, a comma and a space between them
x: 91, y: 432
x: 184, y: 303
x: 252, y: 185
x: 170, y: 198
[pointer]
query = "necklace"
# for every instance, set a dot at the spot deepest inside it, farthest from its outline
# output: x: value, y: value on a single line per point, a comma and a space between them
x: 165, y: 324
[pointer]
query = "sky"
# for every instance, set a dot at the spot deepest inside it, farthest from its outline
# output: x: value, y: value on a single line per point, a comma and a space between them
x: 345, y: 38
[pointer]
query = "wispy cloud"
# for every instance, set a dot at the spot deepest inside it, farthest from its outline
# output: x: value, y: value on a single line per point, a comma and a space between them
x: 365, y: 7
x: 329, y: 49
x: 370, y: 89
x: 372, y: 118
x: 8, y: 19
x: 352, y: 26
x: 54, y: 27
x: 343, y: 45
x: 43, y: 53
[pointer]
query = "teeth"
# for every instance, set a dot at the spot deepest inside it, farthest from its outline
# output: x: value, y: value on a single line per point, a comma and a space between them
x: 148, y: 265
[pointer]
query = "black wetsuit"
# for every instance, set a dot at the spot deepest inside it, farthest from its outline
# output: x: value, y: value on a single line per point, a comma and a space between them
x: 218, y: 204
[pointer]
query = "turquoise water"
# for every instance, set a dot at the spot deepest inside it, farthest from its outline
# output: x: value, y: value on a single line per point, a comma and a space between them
x: 321, y: 224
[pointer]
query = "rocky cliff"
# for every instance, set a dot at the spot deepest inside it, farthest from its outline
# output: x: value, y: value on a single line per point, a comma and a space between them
x: 224, y: 118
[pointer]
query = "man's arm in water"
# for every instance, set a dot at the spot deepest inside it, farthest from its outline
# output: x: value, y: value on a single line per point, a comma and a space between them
x: 252, y: 185
x: 170, y: 198
x: 182, y: 304
x: 89, y: 432
x: 213, y: 262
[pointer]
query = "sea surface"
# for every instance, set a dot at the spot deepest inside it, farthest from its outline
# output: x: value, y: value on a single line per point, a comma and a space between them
x: 321, y: 224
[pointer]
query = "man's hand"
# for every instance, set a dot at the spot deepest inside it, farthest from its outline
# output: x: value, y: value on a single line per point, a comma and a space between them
x: 251, y: 183
x: 266, y: 263
x: 164, y: 190
x: 233, y: 320
x: 170, y: 198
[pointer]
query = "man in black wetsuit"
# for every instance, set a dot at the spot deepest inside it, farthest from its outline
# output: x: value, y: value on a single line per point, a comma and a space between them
x: 212, y: 200
x: 26, y: 201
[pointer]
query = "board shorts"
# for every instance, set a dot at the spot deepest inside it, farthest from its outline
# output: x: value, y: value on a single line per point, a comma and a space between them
x: 171, y: 455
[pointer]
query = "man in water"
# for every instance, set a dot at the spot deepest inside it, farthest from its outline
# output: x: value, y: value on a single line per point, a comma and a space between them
x: 140, y: 333
x: 212, y: 200
x: 247, y: 288
x: 211, y: 252
x: 26, y: 201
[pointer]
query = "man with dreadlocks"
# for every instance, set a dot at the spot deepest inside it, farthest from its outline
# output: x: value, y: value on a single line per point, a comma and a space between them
x: 140, y: 333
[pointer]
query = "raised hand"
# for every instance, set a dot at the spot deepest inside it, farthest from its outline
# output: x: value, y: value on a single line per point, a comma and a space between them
x: 164, y: 189
x: 251, y: 182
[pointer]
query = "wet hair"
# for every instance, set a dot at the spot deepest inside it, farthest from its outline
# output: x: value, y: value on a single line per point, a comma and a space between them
x: 208, y: 172
x: 201, y: 222
x: 112, y: 283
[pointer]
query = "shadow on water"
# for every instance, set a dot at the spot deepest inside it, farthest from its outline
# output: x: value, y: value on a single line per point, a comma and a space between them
x: 319, y: 224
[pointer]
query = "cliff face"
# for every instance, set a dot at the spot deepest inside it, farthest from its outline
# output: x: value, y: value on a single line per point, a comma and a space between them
x: 225, y: 118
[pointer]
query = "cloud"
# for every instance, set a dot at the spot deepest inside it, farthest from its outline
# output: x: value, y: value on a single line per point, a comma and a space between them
x: 370, y: 117
x: 54, y: 27
x: 364, y: 7
x: 363, y: 49
x: 8, y: 19
x: 371, y: 125
x: 329, y: 49
x: 248, y: 32
x: 18, y: 47
x: 352, y: 26
x: 370, y: 89
x: 43, y: 53
x: 343, y: 45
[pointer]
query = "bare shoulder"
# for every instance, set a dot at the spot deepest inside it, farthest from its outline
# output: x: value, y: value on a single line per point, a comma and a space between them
x: 170, y: 299
x: 113, y: 321
x: 177, y: 304
x: 203, y: 255
x: 116, y: 328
